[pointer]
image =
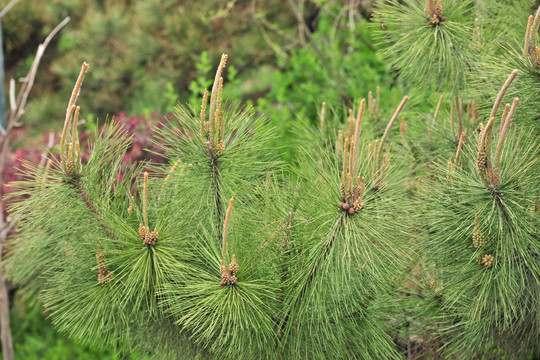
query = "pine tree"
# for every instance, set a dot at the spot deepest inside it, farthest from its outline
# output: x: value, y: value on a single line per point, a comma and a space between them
x: 476, y: 283
x: 227, y: 252
x: 482, y: 251
x: 221, y: 252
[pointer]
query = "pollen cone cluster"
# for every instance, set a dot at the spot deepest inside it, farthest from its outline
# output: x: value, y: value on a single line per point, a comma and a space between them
x: 104, y: 275
x: 434, y: 12
x: 148, y: 237
x: 478, y: 238
x: 228, y: 273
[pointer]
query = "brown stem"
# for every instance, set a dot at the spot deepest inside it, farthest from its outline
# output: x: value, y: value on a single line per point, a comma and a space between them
x: 92, y: 208
x: 7, y: 342
x: 320, y: 54
x: 216, y: 186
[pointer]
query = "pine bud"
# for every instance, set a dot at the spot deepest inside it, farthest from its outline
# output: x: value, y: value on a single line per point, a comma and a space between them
x: 488, y: 260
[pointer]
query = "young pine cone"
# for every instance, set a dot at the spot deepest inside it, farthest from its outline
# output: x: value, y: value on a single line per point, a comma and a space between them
x: 478, y: 238
x: 488, y: 260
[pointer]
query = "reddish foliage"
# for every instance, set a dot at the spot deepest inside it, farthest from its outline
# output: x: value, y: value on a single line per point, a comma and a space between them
x: 141, y: 148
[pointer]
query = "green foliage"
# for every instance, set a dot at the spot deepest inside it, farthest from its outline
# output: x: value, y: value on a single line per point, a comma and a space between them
x: 35, y: 338
x: 498, y: 23
x: 350, y: 259
x: 489, y: 307
x: 136, y: 48
x: 520, y: 55
x: 348, y: 69
x: 312, y: 278
x: 295, y: 247
x: 434, y: 54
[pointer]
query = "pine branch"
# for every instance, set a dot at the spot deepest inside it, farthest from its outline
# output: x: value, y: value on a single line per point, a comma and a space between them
x: 84, y: 196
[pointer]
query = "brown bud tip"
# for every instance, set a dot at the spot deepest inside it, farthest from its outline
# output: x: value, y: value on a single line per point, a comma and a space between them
x: 351, y: 211
x: 346, y: 207
x: 153, y: 243
x: 443, y: 18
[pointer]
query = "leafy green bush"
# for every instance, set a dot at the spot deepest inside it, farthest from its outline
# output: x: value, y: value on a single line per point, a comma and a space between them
x: 348, y: 69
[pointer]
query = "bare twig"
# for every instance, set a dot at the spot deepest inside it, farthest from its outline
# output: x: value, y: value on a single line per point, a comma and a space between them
x: 17, y: 111
x: 8, y: 7
x: 22, y: 96
x: 308, y: 34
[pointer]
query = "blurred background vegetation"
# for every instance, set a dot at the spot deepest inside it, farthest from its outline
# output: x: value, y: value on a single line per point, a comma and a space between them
x: 286, y: 58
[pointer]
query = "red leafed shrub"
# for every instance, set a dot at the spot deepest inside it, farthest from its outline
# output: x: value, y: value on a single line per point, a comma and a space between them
x: 141, y: 149
x: 141, y: 129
